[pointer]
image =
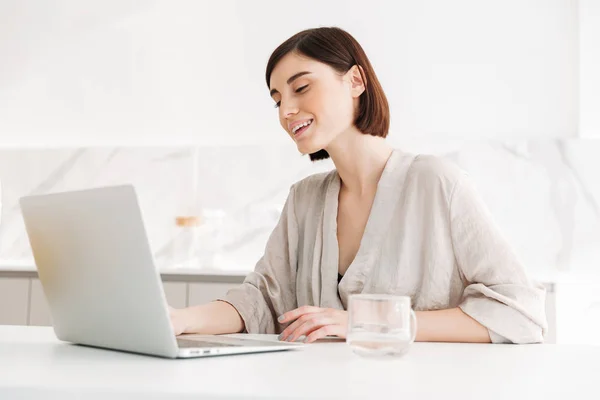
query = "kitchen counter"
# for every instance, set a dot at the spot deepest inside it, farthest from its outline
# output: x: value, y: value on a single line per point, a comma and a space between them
x: 27, y: 269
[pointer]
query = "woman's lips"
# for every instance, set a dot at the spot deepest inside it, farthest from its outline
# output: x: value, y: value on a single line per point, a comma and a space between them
x: 302, y: 130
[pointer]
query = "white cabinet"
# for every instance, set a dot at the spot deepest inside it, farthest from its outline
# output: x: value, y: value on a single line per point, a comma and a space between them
x: 14, y: 301
x: 201, y: 293
x: 176, y: 293
x: 22, y: 300
x: 40, y: 313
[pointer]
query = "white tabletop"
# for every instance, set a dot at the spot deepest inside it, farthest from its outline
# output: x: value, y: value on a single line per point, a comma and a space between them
x: 34, y: 364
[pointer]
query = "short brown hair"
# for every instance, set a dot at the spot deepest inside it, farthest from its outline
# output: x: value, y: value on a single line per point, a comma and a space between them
x: 338, y: 49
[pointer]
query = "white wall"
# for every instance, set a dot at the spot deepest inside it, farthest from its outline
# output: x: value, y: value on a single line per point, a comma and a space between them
x: 589, y: 117
x: 78, y: 72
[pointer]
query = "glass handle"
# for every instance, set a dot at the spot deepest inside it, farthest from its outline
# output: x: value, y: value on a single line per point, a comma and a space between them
x: 413, y: 326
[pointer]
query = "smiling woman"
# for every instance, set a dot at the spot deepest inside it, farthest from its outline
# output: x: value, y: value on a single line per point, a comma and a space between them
x: 307, y: 68
x: 383, y: 221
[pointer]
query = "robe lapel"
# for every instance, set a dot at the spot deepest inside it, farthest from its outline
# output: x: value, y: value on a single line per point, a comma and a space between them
x: 330, y: 254
x: 378, y: 224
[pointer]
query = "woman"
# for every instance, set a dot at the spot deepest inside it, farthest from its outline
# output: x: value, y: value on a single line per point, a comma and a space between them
x: 384, y: 221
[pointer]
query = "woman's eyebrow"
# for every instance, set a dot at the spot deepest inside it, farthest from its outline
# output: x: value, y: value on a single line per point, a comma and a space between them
x: 291, y: 79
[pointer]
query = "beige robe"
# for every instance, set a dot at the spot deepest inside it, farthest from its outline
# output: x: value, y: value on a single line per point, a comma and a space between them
x: 428, y: 236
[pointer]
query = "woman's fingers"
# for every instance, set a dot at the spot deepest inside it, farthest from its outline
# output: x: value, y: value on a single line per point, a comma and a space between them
x: 299, y: 316
x: 311, y: 324
x: 298, y: 312
x: 294, y: 325
x: 327, y: 330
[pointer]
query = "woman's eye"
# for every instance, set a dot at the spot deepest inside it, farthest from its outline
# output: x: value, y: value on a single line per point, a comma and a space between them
x: 300, y: 89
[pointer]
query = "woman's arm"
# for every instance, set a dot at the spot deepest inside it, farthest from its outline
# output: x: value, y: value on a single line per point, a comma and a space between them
x: 451, y: 325
x: 499, y: 294
x: 213, y: 318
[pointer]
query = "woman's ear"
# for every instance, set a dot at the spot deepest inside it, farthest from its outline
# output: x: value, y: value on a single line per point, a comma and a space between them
x: 357, y: 80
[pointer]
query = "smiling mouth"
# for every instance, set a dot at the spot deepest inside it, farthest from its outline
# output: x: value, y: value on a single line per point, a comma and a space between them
x: 300, y: 129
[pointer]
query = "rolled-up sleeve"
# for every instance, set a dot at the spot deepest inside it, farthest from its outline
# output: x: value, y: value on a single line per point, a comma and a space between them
x: 499, y: 295
x: 270, y: 289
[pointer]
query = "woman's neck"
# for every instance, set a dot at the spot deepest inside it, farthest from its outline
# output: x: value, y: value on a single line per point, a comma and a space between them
x: 360, y: 160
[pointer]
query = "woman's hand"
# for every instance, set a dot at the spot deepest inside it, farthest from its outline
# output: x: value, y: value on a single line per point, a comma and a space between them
x: 313, y: 322
x: 179, y: 320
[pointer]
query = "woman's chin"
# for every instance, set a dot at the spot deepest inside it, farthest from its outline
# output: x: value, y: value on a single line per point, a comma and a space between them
x: 308, y: 146
x: 304, y: 149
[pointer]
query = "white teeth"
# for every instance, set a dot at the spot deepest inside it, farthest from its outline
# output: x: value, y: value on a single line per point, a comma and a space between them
x: 301, y: 125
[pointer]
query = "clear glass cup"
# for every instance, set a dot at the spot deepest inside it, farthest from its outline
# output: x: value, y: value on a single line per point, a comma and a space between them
x: 380, y: 325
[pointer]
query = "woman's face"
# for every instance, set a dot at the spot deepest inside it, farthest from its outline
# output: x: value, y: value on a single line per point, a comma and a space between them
x: 315, y: 103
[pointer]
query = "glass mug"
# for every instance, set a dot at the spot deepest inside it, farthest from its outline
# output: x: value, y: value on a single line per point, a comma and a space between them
x: 380, y: 324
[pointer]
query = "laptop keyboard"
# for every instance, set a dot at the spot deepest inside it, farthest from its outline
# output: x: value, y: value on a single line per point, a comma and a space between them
x: 185, y: 343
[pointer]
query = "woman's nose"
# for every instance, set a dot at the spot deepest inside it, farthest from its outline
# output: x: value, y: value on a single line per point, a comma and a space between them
x: 287, y: 109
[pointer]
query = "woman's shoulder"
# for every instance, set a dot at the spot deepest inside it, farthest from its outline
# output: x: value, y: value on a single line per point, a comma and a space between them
x: 314, y: 184
x: 428, y: 171
x: 309, y: 194
x: 435, y: 166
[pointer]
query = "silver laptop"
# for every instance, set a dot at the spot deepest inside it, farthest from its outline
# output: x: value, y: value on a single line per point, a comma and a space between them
x: 99, y: 278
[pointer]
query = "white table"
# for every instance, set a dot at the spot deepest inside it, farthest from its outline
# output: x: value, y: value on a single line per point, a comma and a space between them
x: 34, y: 364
